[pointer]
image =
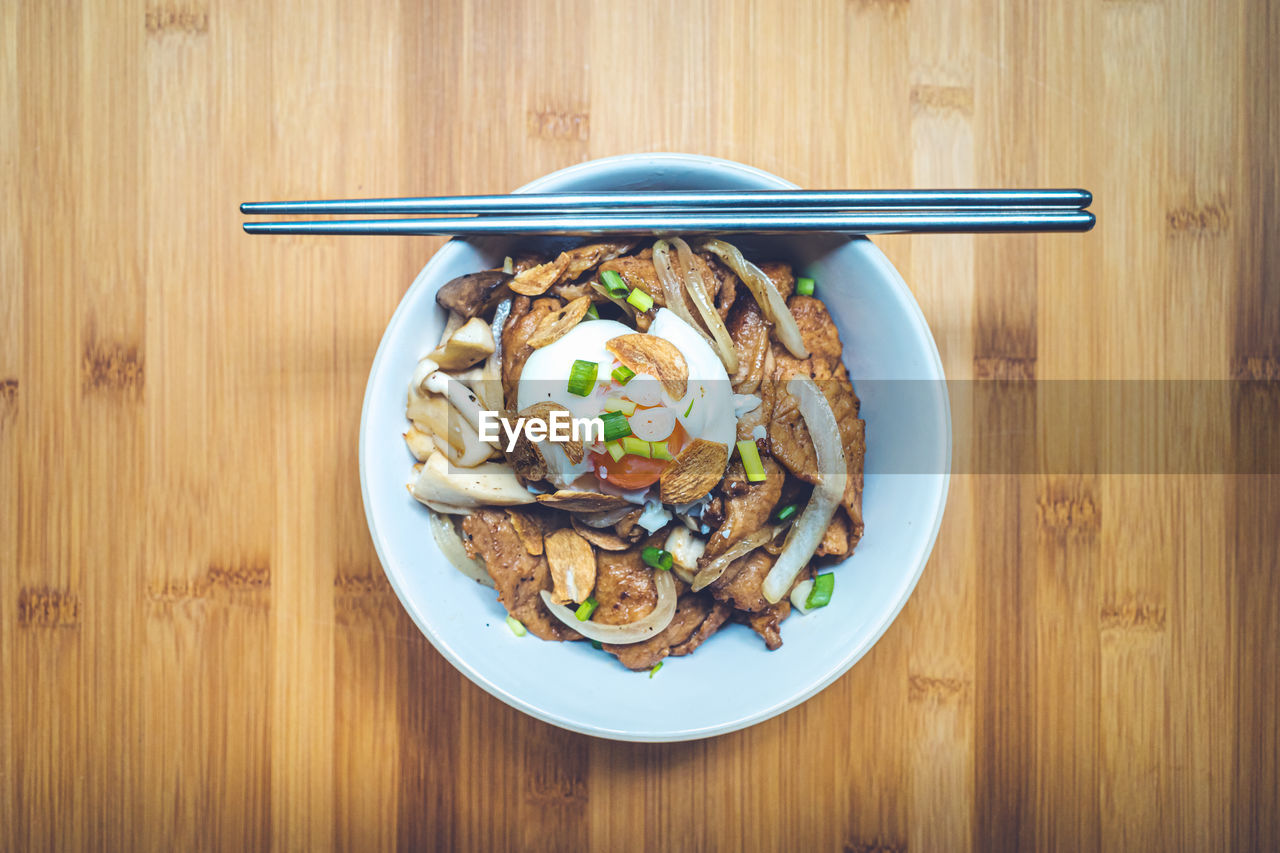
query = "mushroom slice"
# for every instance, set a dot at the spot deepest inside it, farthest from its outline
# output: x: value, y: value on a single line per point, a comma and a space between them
x: 535, y: 281
x: 555, y: 325
x: 470, y: 344
x: 573, y: 566
x: 459, y: 490
x: 605, y: 540
x: 576, y: 501
x: 430, y: 414
x: 656, y: 357
x: 474, y: 294
x: 420, y: 443
x: 695, y: 471
x: 464, y: 447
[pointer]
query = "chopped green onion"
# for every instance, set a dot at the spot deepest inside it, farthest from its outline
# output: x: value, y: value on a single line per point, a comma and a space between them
x: 613, y: 283
x: 508, y: 265
x: 615, y: 450
x: 582, y: 377
x: 516, y: 627
x: 641, y: 300
x: 660, y: 450
x: 636, y: 446
x: 751, y: 461
x: 820, y: 595
x: 592, y: 312
x: 585, y: 609
x: 657, y: 558
x: 787, y: 511
x: 804, y: 286
x: 615, y: 425
x: 657, y: 666
x: 596, y: 644
x: 622, y: 375
x: 688, y: 410
x: 620, y: 404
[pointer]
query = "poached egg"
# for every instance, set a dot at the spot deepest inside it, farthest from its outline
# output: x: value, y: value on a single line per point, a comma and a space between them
x: 705, y: 411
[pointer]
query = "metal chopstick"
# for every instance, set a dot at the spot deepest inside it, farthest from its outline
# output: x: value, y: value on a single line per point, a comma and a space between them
x: 755, y: 222
x: 812, y: 200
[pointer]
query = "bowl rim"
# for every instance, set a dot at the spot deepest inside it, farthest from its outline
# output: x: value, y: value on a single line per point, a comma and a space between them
x: 846, y: 662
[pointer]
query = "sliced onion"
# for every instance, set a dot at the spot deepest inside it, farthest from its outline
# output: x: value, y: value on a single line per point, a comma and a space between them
x: 806, y: 535
x: 697, y: 289
x: 711, y: 573
x: 673, y: 287
x: 450, y: 543
x: 766, y: 293
x: 633, y: 632
x: 800, y: 596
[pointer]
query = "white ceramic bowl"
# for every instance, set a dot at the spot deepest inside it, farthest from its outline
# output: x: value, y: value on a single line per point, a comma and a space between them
x: 731, y: 681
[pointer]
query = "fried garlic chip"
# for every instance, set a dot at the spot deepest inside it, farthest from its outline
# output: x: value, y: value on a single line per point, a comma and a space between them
x: 573, y: 566
x: 557, y: 324
x: 695, y: 471
x: 656, y: 357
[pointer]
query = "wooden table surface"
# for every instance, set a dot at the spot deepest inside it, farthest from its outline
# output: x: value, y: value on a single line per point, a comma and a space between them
x: 198, y: 649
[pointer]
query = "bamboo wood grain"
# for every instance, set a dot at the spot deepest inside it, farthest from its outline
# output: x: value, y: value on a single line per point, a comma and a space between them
x: 198, y: 649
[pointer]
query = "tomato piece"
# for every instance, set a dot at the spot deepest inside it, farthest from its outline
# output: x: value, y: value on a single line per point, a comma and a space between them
x: 636, y: 472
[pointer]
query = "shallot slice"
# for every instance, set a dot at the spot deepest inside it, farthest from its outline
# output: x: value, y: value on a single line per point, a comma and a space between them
x: 633, y: 632
x: 766, y: 294
x: 806, y: 535
x: 450, y: 543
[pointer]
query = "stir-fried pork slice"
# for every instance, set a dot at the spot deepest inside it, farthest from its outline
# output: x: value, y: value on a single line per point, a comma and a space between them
x: 749, y: 331
x: 585, y: 258
x: 717, y: 615
x: 741, y: 583
x: 835, y: 542
x: 789, y: 438
x: 696, y: 618
x: 523, y: 320
x: 518, y: 575
x: 638, y: 272
x: 768, y: 623
x: 624, y: 587
x: 747, y: 506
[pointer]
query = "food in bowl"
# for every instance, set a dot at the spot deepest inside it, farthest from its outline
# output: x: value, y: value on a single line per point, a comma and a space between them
x: 636, y: 443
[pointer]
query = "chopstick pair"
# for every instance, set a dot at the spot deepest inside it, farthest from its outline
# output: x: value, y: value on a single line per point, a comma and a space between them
x: 758, y: 212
